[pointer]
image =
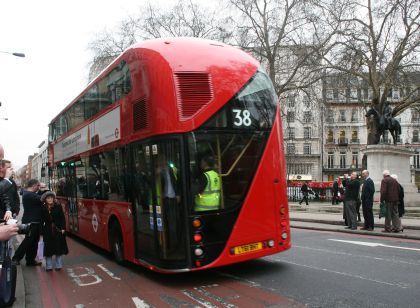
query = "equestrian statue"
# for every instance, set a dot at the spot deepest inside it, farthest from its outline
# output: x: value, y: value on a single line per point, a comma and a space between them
x: 385, y: 122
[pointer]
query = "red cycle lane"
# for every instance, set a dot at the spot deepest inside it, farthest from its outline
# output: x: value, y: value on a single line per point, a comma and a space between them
x: 90, y: 279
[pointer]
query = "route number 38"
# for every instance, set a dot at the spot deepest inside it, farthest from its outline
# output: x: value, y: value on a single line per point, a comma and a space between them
x: 241, y: 117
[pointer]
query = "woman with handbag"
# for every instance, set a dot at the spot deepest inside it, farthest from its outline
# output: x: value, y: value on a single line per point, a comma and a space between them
x: 53, y: 232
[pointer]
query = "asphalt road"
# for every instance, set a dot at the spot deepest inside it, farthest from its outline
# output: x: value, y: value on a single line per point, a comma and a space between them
x: 323, y: 269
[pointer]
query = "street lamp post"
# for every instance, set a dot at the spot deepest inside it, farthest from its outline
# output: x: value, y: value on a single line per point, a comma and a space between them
x: 16, y: 54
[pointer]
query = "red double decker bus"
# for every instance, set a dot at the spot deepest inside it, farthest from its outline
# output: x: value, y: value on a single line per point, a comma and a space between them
x: 172, y: 158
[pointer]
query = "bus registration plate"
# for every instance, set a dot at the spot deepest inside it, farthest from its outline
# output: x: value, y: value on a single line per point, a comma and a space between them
x: 248, y: 248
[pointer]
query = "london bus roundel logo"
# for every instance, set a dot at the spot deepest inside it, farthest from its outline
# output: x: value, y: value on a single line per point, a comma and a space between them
x: 95, y: 223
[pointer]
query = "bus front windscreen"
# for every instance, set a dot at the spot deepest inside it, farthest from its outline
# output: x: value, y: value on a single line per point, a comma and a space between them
x: 226, y: 150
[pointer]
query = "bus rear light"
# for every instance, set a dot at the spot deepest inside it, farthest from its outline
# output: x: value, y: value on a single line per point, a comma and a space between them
x: 198, y: 252
x: 284, y: 235
x: 196, y: 223
x: 283, y: 224
x: 282, y: 211
x: 198, y: 237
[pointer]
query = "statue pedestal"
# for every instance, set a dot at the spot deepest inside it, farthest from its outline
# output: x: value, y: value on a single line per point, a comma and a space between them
x: 396, y: 159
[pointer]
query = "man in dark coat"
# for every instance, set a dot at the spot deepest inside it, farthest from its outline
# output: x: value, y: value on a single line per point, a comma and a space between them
x: 368, y: 190
x: 11, y: 192
x: 32, y: 214
x: 304, y: 189
x: 390, y: 194
x: 350, y: 200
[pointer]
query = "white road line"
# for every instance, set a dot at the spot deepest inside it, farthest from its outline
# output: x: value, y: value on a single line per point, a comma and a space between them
x: 399, y: 285
x: 80, y: 306
x: 356, y: 255
x: 371, y: 244
x: 204, y: 291
x: 139, y: 303
x: 252, y: 283
x: 198, y: 299
x: 111, y: 274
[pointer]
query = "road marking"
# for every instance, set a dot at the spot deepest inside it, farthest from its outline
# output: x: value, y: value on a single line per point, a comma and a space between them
x: 78, y: 278
x: 139, y: 303
x: 399, y: 285
x: 111, y: 274
x: 370, y: 244
x: 80, y: 306
x: 356, y: 255
x: 252, y: 283
x: 198, y: 299
x: 204, y: 291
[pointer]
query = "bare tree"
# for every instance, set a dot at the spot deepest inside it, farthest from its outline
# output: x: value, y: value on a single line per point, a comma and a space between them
x: 379, y: 44
x: 187, y: 18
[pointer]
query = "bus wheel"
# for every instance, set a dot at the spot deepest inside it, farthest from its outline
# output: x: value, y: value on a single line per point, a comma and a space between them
x: 116, y: 242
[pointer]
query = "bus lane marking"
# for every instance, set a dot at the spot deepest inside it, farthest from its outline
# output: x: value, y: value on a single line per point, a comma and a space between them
x: 140, y: 303
x: 204, y: 291
x: 198, y: 299
x: 111, y: 274
x: 87, y: 278
x: 399, y: 284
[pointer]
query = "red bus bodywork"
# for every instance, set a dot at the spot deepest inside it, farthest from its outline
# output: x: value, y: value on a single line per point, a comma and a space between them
x: 263, y: 215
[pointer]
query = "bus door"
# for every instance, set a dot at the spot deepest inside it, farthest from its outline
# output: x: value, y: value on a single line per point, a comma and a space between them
x: 71, y: 195
x: 162, y: 205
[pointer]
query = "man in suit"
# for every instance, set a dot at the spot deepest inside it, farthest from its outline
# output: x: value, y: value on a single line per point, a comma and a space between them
x: 368, y: 190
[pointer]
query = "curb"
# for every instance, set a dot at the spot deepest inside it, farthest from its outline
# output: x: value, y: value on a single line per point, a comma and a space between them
x: 20, y: 293
x: 339, y: 223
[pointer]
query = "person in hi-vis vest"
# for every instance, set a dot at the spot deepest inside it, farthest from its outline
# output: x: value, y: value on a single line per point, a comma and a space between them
x: 209, y: 187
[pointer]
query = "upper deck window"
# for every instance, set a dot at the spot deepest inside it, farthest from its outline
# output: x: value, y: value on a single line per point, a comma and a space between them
x: 253, y: 108
x: 103, y: 93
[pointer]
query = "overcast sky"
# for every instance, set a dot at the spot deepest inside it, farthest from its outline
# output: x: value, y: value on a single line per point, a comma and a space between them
x: 54, y: 36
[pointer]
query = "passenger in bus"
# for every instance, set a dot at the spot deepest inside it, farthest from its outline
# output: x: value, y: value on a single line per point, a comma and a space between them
x: 209, y: 186
x: 168, y: 193
x: 53, y: 231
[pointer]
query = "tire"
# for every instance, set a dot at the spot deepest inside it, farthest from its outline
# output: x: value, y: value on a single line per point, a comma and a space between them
x: 116, y: 242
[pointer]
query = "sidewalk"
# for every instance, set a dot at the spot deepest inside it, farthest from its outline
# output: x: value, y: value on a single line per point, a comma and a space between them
x: 20, y: 283
x: 327, y: 217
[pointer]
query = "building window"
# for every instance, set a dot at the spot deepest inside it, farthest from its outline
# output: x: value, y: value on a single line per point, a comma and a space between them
x: 342, y: 137
x: 290, y: 117
x: 307, y: 148
x: 307, y: 117
x: 415, y: 117
x: 342, y: 116
x: 291, y: 149
x: 417, y: 160
x: 354, y: 136
x: 354, y: 115
x: 342, y: 159
x: 291, y: 102
x: 330, y: 136
x: 415, y: 136
x: 335, y: 94
x: 330, y: 116
x: 355, y: 159
x: 329, y: 95
x: 306, y: 132
x: 306, y: 102
x: 330, y: 158
x: 291, y: 133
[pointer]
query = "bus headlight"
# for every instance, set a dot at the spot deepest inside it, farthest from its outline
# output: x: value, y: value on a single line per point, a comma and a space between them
x: 284, y: 235
x: 270, y: 243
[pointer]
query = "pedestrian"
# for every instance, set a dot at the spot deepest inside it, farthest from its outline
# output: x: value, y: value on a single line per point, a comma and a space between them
x: 335, y: 199
x: 401, y: 207
x: 5, y: 197
x: 390, y: 194
x: 350, y: 200
x: 304, y: 189
x: 368, y: 190
x: 12, y: 192
x: 42, y: 188
x: 32, y: 215
x: 53, y: 232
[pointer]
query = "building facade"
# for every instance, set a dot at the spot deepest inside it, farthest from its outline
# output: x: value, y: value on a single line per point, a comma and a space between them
x: 39, y: 169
